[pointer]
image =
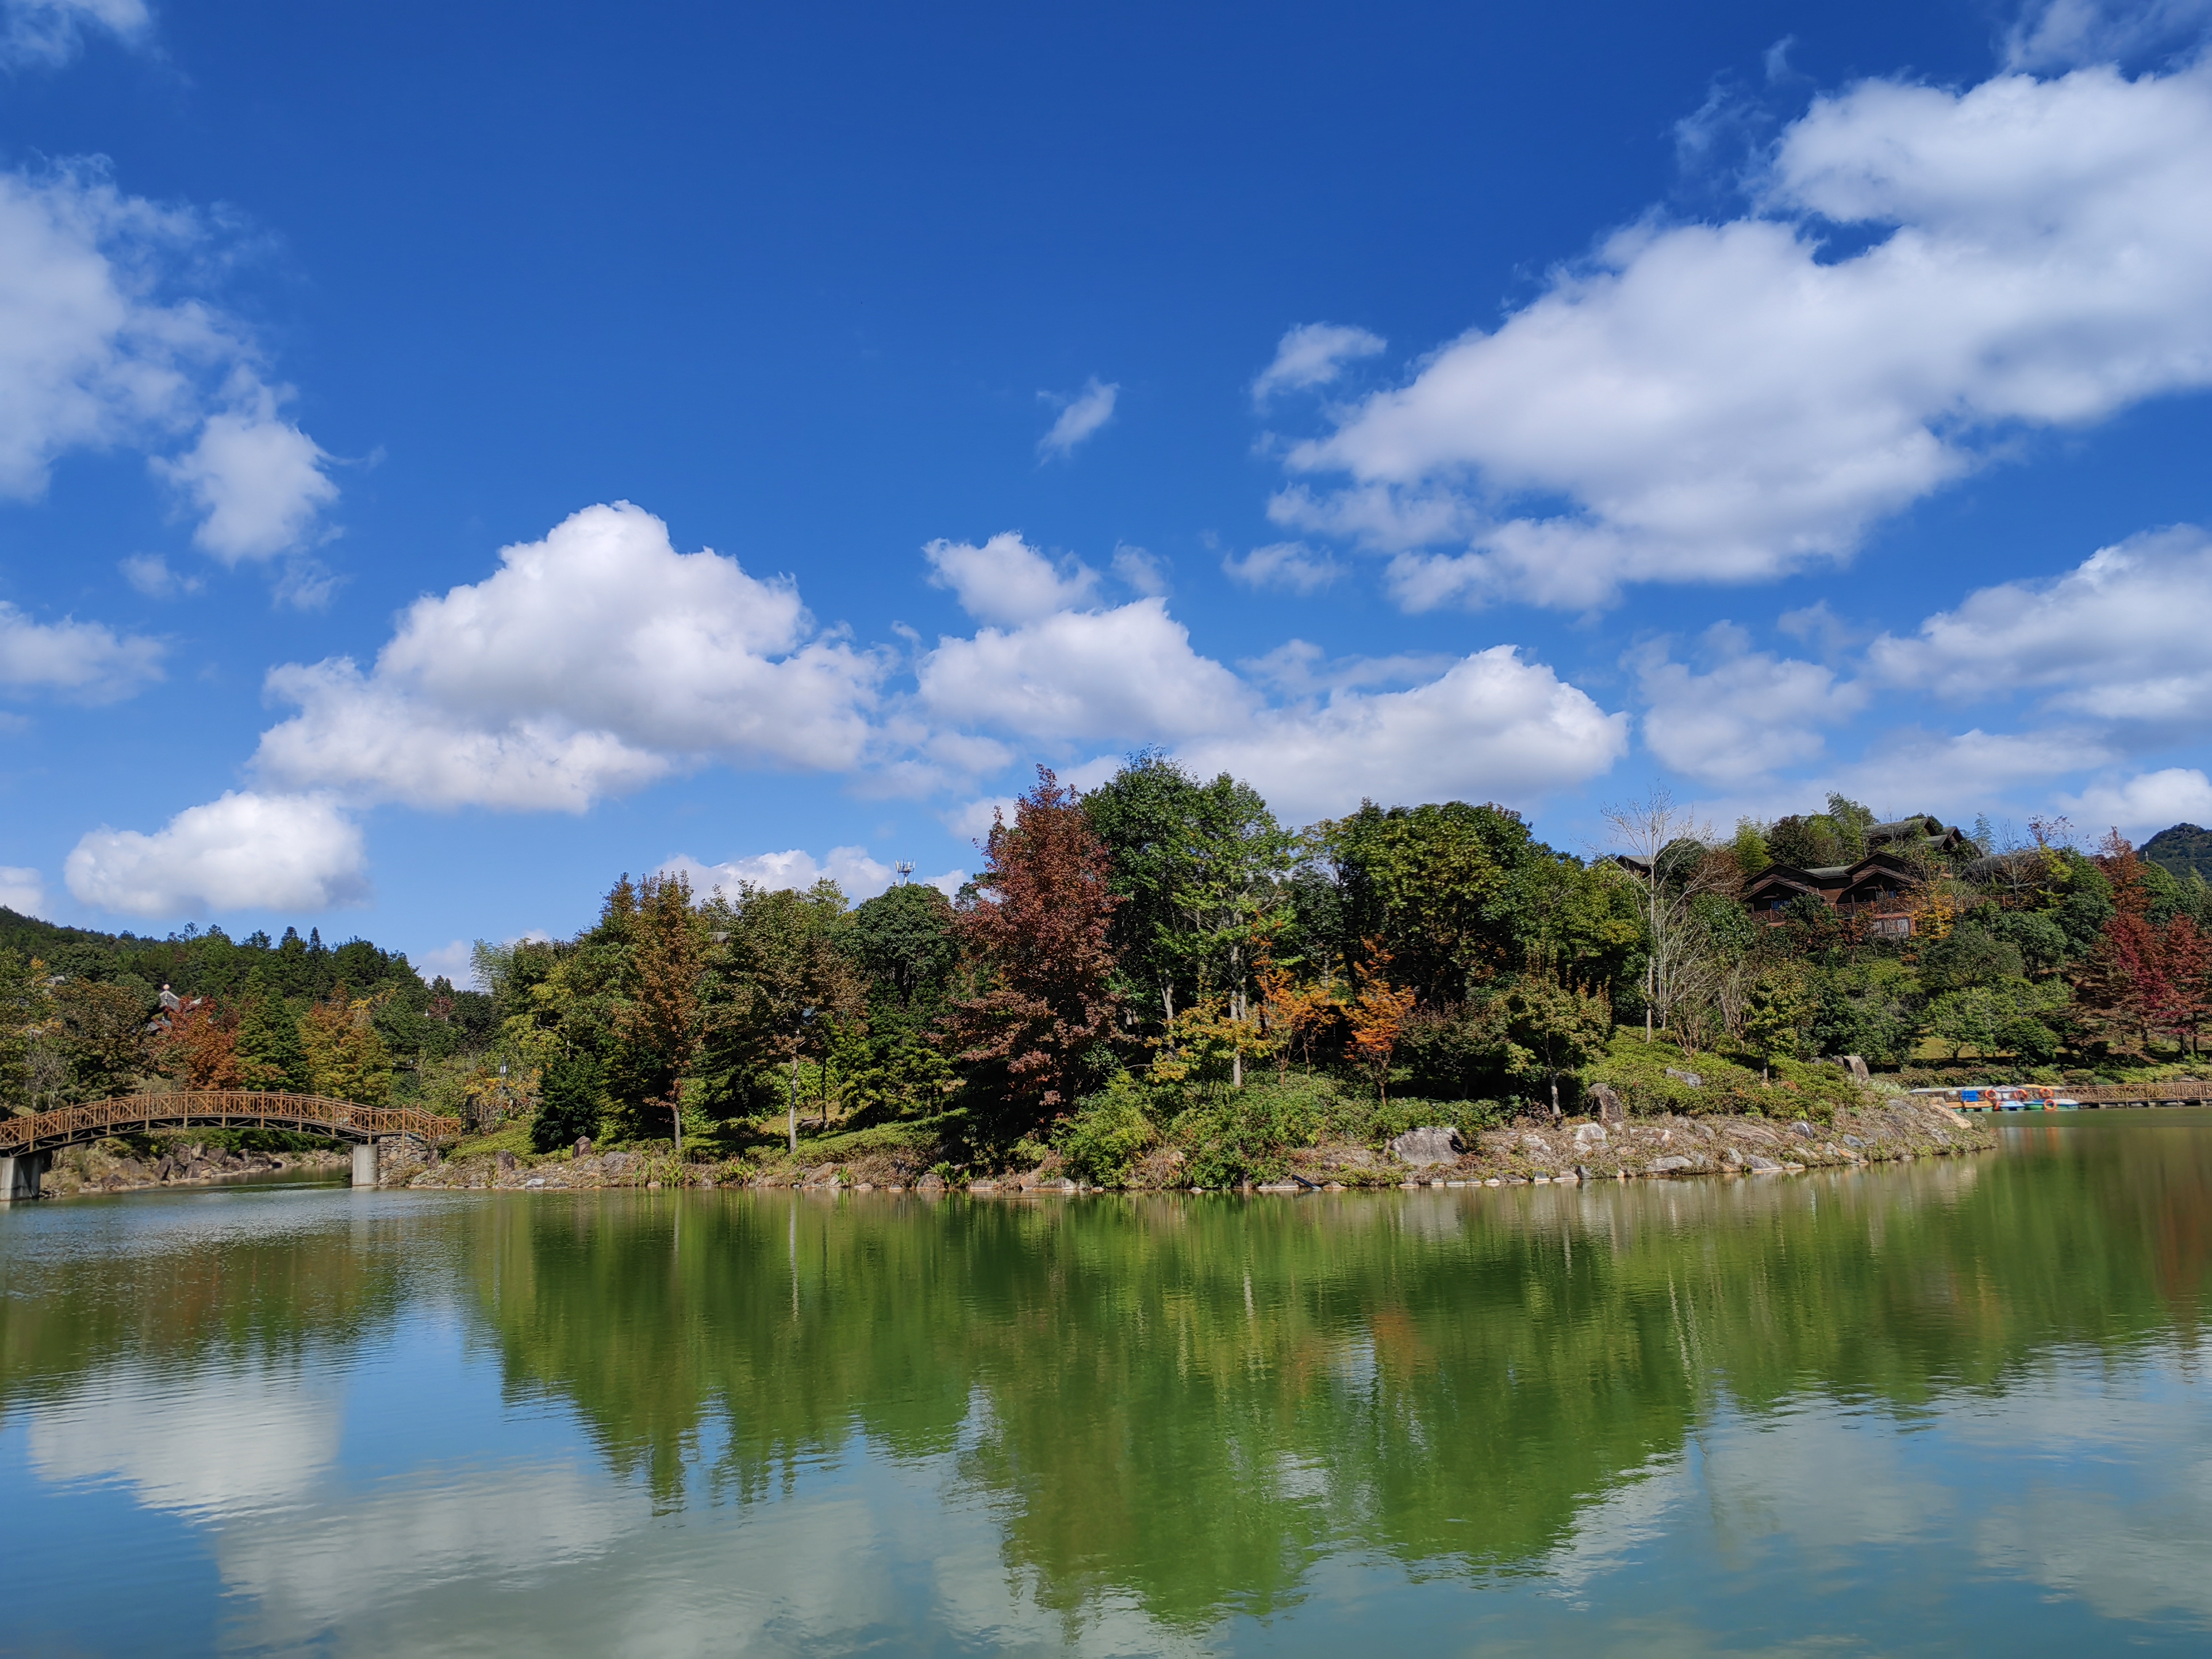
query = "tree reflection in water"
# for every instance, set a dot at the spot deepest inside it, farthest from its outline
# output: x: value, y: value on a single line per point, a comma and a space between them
x: 1189, y: 1401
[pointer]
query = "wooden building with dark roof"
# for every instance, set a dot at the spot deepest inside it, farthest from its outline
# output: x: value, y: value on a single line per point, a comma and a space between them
x: 1875, y: 888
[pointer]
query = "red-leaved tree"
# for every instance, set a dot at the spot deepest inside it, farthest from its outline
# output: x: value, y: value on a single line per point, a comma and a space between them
x: 1037, y: 932
x: 2143, y: 978
x: 198, y: 1046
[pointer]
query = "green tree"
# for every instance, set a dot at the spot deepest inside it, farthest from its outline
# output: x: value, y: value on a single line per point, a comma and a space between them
x: 103, y: 1034
x: 1201, y: 869
x: 1777, y: 1012
x: 907, y: 938
x: 24, y: 1008
x: 1425, y: 882
x: 1546, y: 1029
x: 270, y: 1054
x: 785, y: 979
x: 569, y: 1109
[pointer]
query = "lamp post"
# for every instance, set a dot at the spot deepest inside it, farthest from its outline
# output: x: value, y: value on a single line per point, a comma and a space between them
x: 798, y: 1033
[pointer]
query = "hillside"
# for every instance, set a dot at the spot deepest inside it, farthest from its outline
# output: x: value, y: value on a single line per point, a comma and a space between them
x: 195, y: 963
x: 2185, y: 850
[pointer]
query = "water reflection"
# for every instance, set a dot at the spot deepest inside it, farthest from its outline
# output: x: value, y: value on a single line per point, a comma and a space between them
x: 1137, y: 1423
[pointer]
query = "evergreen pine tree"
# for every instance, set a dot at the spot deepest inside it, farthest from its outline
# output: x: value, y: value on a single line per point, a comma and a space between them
x: 270, y: 1052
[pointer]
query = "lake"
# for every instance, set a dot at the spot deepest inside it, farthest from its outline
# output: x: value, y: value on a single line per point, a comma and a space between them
x: 1923, y: 1407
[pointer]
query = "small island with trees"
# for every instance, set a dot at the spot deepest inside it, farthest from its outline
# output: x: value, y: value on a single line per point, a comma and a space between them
x: 1155, y: 984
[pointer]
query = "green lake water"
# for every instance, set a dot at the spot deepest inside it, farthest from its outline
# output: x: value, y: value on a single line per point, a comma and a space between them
x: 1953, y: 1404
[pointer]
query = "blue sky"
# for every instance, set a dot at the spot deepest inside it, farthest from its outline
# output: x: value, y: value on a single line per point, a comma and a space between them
x: 1406, y: 402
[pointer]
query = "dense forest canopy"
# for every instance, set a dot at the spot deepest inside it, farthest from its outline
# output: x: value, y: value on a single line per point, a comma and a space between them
x: 1135, y: 952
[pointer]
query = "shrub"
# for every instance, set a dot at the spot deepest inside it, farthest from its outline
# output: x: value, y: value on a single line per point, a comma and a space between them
x: 1108, y: 1133
x: 1244, y: 1135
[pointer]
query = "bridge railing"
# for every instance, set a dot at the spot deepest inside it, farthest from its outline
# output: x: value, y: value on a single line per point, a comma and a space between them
x: 226, y: 1107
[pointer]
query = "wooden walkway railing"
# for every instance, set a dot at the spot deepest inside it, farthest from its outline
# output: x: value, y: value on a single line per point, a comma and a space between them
x: 2117, y: 1094
x: 232, y: 1108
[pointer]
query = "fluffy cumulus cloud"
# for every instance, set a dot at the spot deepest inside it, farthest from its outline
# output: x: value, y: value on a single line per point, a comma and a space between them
x: 591, y: 663
x: 1079, y: 418
x: 1313, y: 354
x: 1491, y: 727
x: 1730, y: 402
x: 51, y: 32
x: 1005, y: 579
x: 2146, y: 803
x: 84, y: 662
x: 94, y: 355
x: 2119, y: 637
x: 1315, y: 735
x: 1127, y: 673
x: 1747, y: 714
x: 856, y: 874
x: 257, y: 480
x: 243, y: 852
x: 22, y: 890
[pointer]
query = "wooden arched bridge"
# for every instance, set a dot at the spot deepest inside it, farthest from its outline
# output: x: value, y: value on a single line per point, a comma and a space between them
x: 27, y: 1144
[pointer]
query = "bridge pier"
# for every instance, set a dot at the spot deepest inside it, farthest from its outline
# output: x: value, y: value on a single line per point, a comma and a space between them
x: 364, y: 1164
x: 19, y: 1175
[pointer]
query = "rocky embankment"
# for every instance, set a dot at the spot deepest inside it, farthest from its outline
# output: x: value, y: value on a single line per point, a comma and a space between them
x: 1642, y: 1147
x: 1647, y: 1147
x: 97, y: 1168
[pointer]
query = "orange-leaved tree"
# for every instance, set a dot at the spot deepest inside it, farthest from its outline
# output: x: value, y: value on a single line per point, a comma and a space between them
x: 1377, y: 1015
x: 1292, y: 1012
x: 1037, y: 930
x: 199, y: 1046
x: 657, y: 1025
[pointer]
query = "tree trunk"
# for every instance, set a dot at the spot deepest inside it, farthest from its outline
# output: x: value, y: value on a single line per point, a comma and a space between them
x: 825, y: 1094
x: 794, y: 1105
x: 1555, y: 1100
x: 676, y: 1115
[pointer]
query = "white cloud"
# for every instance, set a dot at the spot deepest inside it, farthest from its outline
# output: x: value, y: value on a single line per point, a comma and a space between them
x: 1313, y: 354
x: 2119, y: 637
x: 1127, y: 672
x: 973, y: 818
x: 455, y: 962
x: 2144, y: 804
x: 22, y: 890
x: 150, y: 574
x: 1724, y: 403
x: 590, y: 664
x: 1140, y: 571
x: 1299, y: 668
x: 1903, y: 770
x: 1079, y: 416
x: 1291, y: 566
x: 1491, y: 727
x: 1490, y: 722
x: 167, y: 1435
x: 856, y: 875
x: 1007, y: 581
x: 2061, y: 34
x: 51, y: 32
x: 93, y: 356
x: 1750, y: 713
x: 88, y: 662
x: 258, y: 481
x: 242, y: 852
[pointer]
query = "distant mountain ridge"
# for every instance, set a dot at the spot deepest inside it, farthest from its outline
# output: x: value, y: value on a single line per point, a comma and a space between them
x: 2182, y: 851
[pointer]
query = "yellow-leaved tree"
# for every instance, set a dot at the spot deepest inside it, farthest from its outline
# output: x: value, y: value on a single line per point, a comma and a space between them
x: 346, y: 1055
